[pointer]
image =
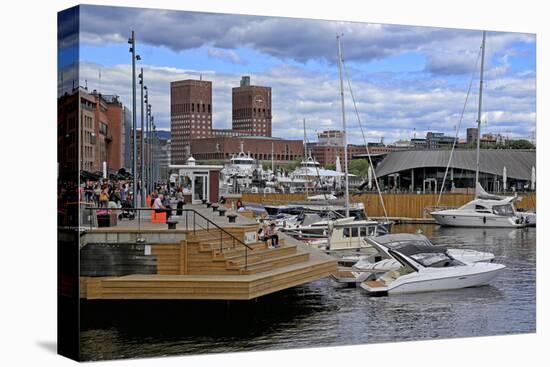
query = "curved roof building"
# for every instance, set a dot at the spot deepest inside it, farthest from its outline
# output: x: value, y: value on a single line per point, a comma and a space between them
x: 492, y: 161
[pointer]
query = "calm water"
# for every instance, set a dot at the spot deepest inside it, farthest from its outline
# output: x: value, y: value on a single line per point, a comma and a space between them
x: 319, y: 314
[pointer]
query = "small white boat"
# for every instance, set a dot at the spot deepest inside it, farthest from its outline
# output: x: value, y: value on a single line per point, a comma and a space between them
x: 484, y: 211
x: 427, y: 268
x: 346, y: 236
x: 312, y: 226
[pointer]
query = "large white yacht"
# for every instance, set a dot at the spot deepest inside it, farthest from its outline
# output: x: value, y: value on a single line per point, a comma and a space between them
x: 427, y: 268
x: 484, y: 211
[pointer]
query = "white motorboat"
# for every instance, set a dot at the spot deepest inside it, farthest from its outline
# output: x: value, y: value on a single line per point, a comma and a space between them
x: 484, y: 211
x: 347, y: 236
x: 427, y: 268
x: 381, y: 262
x: 311, y: 226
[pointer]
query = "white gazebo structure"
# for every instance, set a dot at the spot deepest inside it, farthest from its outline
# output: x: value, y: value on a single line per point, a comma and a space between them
x: 199, y: 182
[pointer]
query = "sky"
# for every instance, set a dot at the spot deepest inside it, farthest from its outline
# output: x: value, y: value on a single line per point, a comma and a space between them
x: 405, y: 80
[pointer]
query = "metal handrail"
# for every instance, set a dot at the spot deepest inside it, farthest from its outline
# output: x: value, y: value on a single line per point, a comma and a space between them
x: 208, y: 223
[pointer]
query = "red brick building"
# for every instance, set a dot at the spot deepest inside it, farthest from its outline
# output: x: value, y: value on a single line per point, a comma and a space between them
x: 97, y: 121
x: 115, y: 122
x: 190, y: 115
x: 252, y: 108
x: 326, y: 154
x: 222, y: 148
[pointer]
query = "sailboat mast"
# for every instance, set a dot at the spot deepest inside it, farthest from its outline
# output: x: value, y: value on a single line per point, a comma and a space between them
x: 345, y: 139
x: 479, y: 107
x: 305, y: 158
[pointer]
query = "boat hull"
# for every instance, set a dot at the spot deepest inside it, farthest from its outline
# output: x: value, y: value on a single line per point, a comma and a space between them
x: 418, y: 282
x: 448, y: 218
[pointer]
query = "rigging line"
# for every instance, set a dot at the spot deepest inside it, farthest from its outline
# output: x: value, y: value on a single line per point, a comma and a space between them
x: 365, y: 140
x: 316, y: 168
x: 474, y: 73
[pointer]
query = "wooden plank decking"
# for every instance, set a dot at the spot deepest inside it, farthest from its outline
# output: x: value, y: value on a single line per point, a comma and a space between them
x: 196, y: 268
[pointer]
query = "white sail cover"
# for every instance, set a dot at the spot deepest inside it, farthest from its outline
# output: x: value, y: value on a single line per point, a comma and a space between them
x: 482, y: 194
x: 338, y: 169
x: 504, y: 178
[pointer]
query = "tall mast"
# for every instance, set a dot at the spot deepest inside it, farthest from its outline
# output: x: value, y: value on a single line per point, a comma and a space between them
x: 479, y: 107
x: 345, y: 139
x: 272, y: 162
x: 305, y: 158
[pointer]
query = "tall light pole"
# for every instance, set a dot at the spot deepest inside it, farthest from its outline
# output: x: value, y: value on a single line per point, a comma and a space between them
x: 142, y: 139
x: 132, y: 42
x: 146, y: 101
x: 153, y: 150
x: 150, y: 147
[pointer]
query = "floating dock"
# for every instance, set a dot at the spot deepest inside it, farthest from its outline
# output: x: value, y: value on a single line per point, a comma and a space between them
x: 210, y: 260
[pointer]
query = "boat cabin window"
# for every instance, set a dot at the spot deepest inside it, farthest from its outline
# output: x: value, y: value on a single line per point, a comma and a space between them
x: 435, y: 260
x: 482, y: 209
x: 363, y: 231
x: 351, y: 232
x: 504, y: 210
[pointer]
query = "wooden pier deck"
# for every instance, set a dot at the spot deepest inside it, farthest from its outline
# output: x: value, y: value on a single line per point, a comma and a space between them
x: 209, y: 264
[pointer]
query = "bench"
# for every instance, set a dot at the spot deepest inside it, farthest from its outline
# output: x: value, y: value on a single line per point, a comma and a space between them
x: 222, y: 211
x: 215, y: 207
x: 231, y: 217
x: 172, y: 224
x: 158, y: 217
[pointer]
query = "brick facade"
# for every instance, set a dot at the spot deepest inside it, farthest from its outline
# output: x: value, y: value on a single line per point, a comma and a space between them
x: 222, y: 148
x: 190, y: 115
x: 252, y: 109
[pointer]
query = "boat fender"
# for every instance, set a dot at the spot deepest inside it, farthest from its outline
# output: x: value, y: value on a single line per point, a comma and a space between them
x: 484, y: 220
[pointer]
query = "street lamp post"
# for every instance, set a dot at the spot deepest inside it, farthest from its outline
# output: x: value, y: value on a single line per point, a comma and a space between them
x: 142, y: 137
x: 150, y: 140
x: 146, y: 101
x: 132, y: 42
x: 153, y: 153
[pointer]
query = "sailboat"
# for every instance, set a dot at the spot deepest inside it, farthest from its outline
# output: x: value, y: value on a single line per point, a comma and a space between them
x: 485, y: 210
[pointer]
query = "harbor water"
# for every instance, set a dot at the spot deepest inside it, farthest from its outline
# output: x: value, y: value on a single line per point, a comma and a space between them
x: 319, y: 314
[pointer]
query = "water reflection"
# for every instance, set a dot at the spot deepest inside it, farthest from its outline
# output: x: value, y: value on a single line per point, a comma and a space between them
x: 318, y: 314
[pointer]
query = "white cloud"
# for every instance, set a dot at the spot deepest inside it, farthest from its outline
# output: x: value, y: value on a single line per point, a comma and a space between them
x: 228, y: 55
x: 391, y: 111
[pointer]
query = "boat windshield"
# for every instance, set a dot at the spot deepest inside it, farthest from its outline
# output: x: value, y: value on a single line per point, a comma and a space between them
x: 504, y: 210
x: 359, y: 231
x: 435, y: 260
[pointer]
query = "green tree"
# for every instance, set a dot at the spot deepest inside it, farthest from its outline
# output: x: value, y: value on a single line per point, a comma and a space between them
x: 331, y: 166
x: 359, y: 167
x: 520, y: 144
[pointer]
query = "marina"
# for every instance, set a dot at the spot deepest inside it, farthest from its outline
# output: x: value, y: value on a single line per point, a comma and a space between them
x: 346, y: 316
x: 200, y: 239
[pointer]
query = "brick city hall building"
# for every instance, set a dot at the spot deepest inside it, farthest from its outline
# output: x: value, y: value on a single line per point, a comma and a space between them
x: 190, y: 115
x: 191, y: 124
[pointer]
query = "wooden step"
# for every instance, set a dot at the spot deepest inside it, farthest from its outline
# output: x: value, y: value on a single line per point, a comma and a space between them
x: 274, y: 262
x: 254, y: 256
